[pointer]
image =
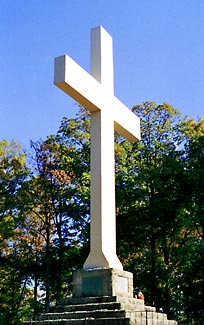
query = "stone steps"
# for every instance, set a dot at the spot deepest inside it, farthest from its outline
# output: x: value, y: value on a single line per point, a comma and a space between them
x: 107, y: 321
x: 106, y: 301
x: 96, y: 314
x: 103, y: 310
x: 86, y: 300
x: 88, y: 307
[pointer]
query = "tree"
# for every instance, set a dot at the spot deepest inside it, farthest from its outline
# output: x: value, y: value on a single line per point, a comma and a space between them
x: 191, y: 262
x: 59, y: 197
x: 152, y: 188
x: 44, y: 211
x: 13, y: 172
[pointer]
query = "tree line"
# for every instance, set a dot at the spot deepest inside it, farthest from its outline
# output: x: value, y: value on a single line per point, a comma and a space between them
x: 44, y: 214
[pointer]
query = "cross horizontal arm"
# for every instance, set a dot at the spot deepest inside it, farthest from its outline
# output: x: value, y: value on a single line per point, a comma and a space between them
x: 87, y: 91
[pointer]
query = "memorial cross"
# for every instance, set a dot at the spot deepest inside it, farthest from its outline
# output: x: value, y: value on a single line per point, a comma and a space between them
x: 96, y: 93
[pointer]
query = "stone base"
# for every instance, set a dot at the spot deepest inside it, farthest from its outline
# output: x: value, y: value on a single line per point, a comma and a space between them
x: 101, y: 296
x: 101, y: 311
x: 102, y: 282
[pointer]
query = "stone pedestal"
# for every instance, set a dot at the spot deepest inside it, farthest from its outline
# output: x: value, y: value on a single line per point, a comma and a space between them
x: 102, y: 282
x: 101, y: 296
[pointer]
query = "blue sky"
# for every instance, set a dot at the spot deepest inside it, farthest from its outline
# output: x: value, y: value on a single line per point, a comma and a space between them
x: 158, y: 56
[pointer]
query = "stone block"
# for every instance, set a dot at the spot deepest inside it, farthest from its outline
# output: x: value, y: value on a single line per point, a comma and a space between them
x: 102, y: 282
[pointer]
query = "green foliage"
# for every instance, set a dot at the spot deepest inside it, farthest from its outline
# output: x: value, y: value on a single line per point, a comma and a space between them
x: 13, y: 173
x: 153, y: 187
x: 44, y: 214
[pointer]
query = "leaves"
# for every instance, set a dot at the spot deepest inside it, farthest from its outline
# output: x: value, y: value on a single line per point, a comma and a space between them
x: 44, y: 213
x: 154, y: 189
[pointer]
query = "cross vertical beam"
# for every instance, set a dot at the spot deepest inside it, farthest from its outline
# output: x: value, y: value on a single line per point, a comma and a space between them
x: 96, y: 93
x: 103, y: 221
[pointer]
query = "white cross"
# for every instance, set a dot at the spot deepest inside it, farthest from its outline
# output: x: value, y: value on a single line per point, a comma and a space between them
x: 96, y: 93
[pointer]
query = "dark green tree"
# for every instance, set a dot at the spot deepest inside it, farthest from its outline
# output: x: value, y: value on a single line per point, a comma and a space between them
x: 44, y: 228
x: 59, y: 197
x: 13, y: 172
x: 150, y: 193
x: 192, y: 250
